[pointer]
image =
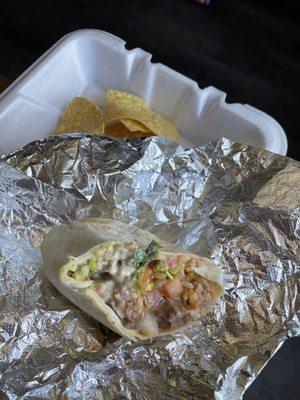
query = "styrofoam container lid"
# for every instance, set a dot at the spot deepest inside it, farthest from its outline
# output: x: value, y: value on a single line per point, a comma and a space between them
x: 88, y: 62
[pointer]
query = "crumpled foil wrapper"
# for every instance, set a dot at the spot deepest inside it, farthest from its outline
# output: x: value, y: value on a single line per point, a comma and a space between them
x: 232, y: 202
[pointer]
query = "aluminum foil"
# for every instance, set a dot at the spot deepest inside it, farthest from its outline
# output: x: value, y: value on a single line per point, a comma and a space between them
x: 232, y: 202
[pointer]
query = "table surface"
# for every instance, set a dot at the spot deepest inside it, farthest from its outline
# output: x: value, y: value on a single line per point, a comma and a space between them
x: 249, y: 49
x: 4, y: 82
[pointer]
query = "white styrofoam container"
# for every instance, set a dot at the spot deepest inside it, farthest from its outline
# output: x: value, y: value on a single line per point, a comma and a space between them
x: 88, y: 62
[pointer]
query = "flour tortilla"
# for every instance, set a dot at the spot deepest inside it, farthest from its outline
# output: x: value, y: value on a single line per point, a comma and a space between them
x: 66, y: 246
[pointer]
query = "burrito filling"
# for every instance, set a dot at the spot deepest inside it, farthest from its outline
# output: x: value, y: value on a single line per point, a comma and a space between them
x: 151, y: 291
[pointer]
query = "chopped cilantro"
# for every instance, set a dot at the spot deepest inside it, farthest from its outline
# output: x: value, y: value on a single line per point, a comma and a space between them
x: 152, y: 249
x: 141, y: 257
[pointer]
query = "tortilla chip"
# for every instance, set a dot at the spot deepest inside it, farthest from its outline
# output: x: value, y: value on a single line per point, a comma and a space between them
x: 117, y: 129
x: 81, y: 115
x: 134, y: 126
x: 124, y: 100
x: 126, y: 106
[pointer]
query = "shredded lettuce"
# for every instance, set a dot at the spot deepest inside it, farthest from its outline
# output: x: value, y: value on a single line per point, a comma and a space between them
x: 169, y: 275
x: 78, y: 274
x: 192, y: 274
x: 138, y: 287
x: 92, y: 264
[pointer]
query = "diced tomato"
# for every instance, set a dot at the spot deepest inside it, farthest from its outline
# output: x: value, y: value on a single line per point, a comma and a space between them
x: 173, y: 288
x: 145, y: 277
x: 163, y: 292
x: 173, y: 261
x: 152, y: 298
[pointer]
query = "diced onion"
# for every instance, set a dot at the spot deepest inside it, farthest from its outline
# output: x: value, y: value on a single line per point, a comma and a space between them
x: 148, y: 325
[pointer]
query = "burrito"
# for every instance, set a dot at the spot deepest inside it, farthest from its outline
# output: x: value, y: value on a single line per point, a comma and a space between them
x: 128, y: 279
